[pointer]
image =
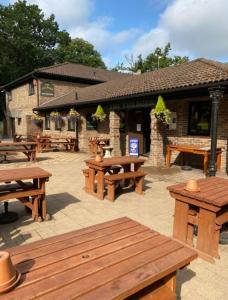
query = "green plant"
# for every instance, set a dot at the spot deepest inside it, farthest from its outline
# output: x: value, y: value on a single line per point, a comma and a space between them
x: 73, y: 114
x: 99, y: 114
x: 160, y: 111
x: 55, y: 115
x: 36, y: 119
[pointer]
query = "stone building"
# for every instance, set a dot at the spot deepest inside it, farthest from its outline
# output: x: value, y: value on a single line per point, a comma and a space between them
x: 41, y: 86
x: 128, y: 101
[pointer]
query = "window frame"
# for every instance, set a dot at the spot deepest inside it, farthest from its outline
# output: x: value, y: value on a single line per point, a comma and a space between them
x: 31, y: 88
x: 190, y: 107
x: 90, y: 124
x: 70, y: 122
x: 47, y: 117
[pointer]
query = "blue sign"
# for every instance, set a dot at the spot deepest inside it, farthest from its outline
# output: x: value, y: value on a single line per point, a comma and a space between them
x: 134, y: 147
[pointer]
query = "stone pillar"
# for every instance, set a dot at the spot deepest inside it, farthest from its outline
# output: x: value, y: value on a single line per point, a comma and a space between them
x: 157, y: 157
x: 114, y: 130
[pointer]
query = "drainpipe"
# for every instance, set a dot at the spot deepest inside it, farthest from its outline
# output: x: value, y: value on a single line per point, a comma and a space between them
x: 216, y: 94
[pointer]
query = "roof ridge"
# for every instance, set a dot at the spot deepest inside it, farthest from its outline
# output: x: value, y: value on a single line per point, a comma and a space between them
x: 50, y: 67
x: 54, y: 99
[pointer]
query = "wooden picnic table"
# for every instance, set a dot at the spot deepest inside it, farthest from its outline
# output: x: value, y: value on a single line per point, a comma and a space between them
x: 47, y: 142
x: 113, y: 260
x: 96, y: 145
x: 208, y: 209
x: 28, y: 148
x: 204, y: 150
x: 100, y: 168
x: 23, y: 183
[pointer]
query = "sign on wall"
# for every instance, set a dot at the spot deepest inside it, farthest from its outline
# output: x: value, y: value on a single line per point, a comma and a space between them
x: 134, y: 147
x: 47, y: 88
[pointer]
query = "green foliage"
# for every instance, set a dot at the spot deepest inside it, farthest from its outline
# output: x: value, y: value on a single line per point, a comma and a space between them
x: 27, y: 39
x: 73, y: 114
x: 159, y: 58
x: 55, y: 115
x: 162, y: 113
x: 99, y: 114
x: 79, y: 51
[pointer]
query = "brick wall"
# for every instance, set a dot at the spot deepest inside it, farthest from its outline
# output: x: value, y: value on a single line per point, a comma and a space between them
x: 180, y: 135
x: 60, y: 88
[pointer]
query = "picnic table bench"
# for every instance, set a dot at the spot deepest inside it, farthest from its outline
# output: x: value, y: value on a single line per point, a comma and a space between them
x: 118, y: 259
x: 200, y: 150
x: 29, y: 149
x: 97, y: 170
x: 207, y: 209
x: 28, y: 186
x: 113, y: 179
x: 48, y: 142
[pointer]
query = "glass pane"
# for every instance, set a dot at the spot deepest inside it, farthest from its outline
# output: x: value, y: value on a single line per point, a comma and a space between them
x: 200, y: 118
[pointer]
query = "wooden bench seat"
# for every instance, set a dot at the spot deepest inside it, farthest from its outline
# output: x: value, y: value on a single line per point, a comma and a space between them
x: 111, y: 181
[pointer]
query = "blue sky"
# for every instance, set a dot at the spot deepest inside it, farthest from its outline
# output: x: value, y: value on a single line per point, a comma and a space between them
x: 196, y: 28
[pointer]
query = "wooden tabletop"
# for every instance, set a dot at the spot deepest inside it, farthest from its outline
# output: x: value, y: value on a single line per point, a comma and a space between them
x: 111, y: 260
x: 191, y: 147
x: 121, y: 160
x: 2, y: 144
x: 213, y: 190
x: 22, y: 174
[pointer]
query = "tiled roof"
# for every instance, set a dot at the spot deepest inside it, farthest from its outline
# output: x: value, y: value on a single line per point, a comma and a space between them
x: 81, y: 71
x: 198, y: 72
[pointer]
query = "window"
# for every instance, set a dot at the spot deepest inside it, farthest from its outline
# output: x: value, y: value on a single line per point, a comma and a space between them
x: 47, y: 122
x: 58, y: 123
x: 31, y: 88
x: 199, y: 118
x: 71, y: 124
x: 47, y: 88
x: 9, y: 95
x: 90, y: 123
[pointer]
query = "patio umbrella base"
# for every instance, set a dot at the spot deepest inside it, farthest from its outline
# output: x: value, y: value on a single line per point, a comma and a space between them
x: 9, y: 217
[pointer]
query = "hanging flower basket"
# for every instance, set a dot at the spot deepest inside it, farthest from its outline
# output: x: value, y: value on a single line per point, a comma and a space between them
x: 37, y: 120
x: 55, y: 116
x: 162, y: 113
x: 99, y: 114
x: 73, y: 114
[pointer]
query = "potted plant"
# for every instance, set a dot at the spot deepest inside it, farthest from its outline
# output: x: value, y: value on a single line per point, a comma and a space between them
x: 99, y: 115
x: 162, y: 113
x: 55, y: 116
x: 37, y: 120
x: 73, y: 114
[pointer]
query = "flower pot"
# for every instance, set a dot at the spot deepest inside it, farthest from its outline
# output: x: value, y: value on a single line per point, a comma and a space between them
x: 192, y: 186
x: 9, y: 277
x: 98, y: 158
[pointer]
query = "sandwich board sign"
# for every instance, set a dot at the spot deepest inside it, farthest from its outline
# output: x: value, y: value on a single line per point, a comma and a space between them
x: 134, y: 147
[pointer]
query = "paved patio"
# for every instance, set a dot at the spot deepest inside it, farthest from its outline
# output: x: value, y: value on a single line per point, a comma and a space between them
x: 71, y: 208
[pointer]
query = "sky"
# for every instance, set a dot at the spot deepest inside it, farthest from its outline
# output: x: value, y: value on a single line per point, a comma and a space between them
x: 120, y: 28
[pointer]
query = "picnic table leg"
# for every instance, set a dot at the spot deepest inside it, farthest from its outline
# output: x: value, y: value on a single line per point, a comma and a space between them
x: 218, y: 161
x: 206, y: 234
x: 100, y: 184
x: 91, y: 180
x: 35, y: 208
x: 44, y: 214
x: 180, y: 225
x: 168, y: 158
x: 205, y: 163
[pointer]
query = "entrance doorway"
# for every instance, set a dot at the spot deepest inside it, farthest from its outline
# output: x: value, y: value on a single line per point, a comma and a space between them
x: 139, y: 126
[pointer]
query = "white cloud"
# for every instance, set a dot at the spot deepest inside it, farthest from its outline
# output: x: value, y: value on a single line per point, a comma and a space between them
x: 67, y: 11
x: 194, y: 27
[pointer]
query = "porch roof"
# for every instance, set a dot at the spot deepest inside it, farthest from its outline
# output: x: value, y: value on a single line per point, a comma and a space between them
x: 197, y: 73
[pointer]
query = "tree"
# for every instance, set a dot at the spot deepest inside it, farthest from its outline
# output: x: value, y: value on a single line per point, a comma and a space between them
x: 160, y: 58
x: 27, y: 40
x: 79, y: 51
